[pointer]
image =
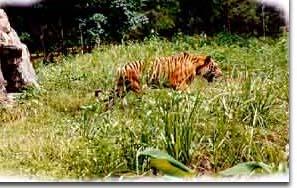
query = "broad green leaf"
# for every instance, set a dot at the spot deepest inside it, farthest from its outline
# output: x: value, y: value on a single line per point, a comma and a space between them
x: 246, y: 168
x: 167, y: 164
x: 166, y: 167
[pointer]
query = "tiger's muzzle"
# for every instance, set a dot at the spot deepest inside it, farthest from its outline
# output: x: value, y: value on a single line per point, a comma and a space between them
x: 213, y: 75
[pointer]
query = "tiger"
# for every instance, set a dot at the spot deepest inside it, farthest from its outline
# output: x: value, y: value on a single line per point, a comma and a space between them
x: 176, y: 71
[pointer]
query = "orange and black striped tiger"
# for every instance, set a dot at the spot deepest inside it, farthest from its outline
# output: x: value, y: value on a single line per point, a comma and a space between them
x: 176, y: 71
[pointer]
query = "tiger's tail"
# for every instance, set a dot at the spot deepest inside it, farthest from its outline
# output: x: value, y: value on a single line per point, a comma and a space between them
x: 109, y: 101
x: 112, y: 96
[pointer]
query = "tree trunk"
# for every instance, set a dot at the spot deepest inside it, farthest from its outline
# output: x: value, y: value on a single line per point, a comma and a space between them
x: 63, y: 49
x: 82, y: 42
x: 42, y: 40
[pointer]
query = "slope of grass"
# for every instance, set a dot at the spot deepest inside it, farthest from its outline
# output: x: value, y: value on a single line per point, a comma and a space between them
x: 61, y: 130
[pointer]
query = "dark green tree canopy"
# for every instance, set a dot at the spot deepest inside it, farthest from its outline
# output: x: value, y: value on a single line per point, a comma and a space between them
x: 56, y: 25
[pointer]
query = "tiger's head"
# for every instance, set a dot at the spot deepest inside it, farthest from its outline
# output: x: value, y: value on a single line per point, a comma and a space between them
x: 208, y: 69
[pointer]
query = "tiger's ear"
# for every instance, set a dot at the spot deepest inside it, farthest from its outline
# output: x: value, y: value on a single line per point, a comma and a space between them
x: 185, y: 53
x: 207, y: 59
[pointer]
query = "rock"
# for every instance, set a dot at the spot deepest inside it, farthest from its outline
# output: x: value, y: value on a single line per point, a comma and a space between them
x: 16, y: 70
x: 4, y: 23
x: 3, y: 94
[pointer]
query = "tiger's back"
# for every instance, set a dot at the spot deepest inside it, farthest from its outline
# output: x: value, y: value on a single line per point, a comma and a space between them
x: 163, y: 68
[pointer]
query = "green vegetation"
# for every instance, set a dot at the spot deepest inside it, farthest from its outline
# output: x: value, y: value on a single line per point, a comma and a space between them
x: 163, y: 162
x: 93, y: 22
x: 61, y: 130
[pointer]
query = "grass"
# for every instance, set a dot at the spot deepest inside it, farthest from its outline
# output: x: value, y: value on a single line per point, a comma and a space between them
x: 61, y: 130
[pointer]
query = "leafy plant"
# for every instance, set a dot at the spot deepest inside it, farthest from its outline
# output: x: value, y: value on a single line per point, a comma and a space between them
x: 178, y: 121
x: 169, y: 166
x: 247, y: 168
x: 92, y: 29
x: 63, y: 132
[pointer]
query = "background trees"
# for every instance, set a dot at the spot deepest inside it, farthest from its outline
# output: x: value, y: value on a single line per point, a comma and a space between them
x: 55, y: 25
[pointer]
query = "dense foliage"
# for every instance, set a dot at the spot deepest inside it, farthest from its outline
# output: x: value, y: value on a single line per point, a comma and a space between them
x: 62, y: 130
x: 53, y: 25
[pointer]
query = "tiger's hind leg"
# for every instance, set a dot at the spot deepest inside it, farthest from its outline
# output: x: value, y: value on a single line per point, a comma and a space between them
x: 132, y: 82
x: 135, y: 86
x: 129, y: 82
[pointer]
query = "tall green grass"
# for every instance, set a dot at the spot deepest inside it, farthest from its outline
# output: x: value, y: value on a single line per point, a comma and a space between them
x: 62, y: 130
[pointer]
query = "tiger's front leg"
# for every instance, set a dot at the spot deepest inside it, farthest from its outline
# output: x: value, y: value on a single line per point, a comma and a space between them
x: 182, y: 86
x: 177, y: 81
x: 181, y: 82
x: 179, y: 85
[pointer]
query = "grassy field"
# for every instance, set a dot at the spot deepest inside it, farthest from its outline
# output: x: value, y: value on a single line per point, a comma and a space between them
x: 61, y: 130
